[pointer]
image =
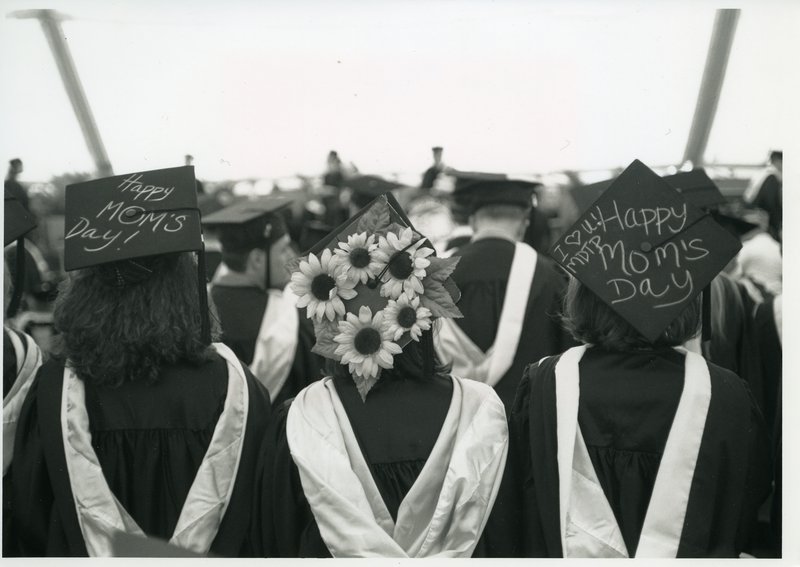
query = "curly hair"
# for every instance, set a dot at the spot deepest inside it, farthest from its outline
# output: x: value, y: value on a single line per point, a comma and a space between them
x: 590, y: 320
x: 111, y: 334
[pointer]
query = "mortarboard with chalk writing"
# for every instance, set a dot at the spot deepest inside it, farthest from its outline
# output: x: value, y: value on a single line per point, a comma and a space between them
x: 644, y: 249
x: 131, y: 216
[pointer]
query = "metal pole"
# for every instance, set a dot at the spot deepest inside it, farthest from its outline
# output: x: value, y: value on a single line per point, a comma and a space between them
x: 719, y: 51
x: 51, y: 25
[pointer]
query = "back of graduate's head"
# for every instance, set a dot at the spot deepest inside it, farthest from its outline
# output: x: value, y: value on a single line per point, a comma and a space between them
x: 590, y: 320
x: 510, y: 219
x: 122, y: 321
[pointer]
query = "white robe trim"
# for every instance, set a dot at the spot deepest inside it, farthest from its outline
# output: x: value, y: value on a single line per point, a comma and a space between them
x: 276, y: 344
x: 588, y: 525
x: 29, y: 359
x: 444, y: 512
x: 100, y: 515
x: 469, y: 361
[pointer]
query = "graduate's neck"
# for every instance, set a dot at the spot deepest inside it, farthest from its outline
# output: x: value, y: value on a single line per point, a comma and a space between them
x: 493, y: 230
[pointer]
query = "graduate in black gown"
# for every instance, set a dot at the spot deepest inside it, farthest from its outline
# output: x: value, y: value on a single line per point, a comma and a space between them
x: 21, y: 355
x: 388, y: 456
x: 138, y: 423
x: 260, y: 322
x: 630, y: 445
x: 511, y: 294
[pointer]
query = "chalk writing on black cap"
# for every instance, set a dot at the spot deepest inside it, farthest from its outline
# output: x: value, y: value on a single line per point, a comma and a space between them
x: 130, y: 216
x: 644, y: 249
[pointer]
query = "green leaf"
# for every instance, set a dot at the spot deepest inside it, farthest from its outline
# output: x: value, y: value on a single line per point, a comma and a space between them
x: 364, y: 385
x: 376, y: 218
x: 441, y: 268
x: 438, y: 300
x: 325, y: 345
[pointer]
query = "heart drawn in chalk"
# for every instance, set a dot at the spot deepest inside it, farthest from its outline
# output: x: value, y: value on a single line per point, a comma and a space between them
x: 574, y: 238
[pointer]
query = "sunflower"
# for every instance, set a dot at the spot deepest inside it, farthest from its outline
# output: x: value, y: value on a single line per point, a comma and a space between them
x: 357, y: 257
x: 405, y: 315
x: 321, y: 285
x: 405, y: 263
x: 365, y: 344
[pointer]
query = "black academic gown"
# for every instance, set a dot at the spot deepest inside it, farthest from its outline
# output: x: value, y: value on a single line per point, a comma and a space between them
x: 482, y: 276
x: 149, y: 440
x: 241, y: 310
x: 396, y: 429
x: 627, y: 404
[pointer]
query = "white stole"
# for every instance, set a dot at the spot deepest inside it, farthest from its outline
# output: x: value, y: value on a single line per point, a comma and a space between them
x: 100, y: 514
x: 588, y: 525
x: 446, y: 509
x: 276, y: 344
x: 468, y: 361
x: 29, y: 359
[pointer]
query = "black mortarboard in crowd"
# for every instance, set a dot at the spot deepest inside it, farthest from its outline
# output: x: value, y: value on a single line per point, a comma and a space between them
x: 474, y: 190
x: 123, y: 223
x: 367, y: 187
x: 645, y: 250
x: 17, y: 222
x: 250, y: 224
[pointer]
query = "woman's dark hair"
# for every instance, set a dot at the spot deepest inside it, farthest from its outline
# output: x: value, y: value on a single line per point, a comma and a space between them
x: 590, y: 320
x: 408, y: 365
x: 113, y: 330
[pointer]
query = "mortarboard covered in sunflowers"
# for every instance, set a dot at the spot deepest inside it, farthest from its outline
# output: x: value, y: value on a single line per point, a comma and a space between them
x: 371, y: 287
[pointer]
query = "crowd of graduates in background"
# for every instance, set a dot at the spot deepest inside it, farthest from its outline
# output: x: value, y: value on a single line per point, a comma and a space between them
x: 517, y: 323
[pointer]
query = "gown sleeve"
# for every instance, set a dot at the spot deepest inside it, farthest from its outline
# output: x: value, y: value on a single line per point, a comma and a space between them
x: 283, y: 524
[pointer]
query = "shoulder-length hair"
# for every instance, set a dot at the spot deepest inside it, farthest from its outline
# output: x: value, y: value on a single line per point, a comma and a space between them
x: 590, y: 320
x: 110, y: 334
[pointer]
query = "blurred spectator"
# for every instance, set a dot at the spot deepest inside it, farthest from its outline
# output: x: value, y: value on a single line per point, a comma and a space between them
x: 201, y: 190
x: 13, y: 186
x: 766, y: 192
x: 430, y: 175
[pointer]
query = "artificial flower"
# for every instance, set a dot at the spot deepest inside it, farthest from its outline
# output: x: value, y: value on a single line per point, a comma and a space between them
x: 321, y: 285
x: 406, y: 315
x: 405, y: 264
x: 365, y: 344
x: 357, y: 257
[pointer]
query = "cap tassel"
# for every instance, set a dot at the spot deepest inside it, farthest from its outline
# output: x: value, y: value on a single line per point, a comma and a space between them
x: 19, y: 283
x: 427, y: 354
x: 205, y: 323
x: 706, y: 321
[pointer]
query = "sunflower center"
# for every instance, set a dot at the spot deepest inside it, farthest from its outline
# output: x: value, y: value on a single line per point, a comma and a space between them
x: 359, y: 258
x: 367, y: 341
x: 406, y: 317
x: 400, y: 266
x: 322, y: 285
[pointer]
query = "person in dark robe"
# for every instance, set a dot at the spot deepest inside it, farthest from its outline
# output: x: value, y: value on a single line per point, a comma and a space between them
x: 511, y: 295
x: 22, y: 358
x: 138, y: 423
x: 766, y: 192
x: 630, y: 445
x: 259, y: 320
x: 433, y: 172
x: 389, y: 455
x: 12, y: 185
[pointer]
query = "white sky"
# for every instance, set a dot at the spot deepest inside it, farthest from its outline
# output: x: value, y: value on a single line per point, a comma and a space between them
x: 265, y: 89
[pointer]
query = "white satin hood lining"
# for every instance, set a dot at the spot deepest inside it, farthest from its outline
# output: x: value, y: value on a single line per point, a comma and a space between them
x: 276, y: 343
x: 29, y: 359
x: 99, y: 512
x: 588, y: 525
x: 465, y: 469
x: 469, y: 361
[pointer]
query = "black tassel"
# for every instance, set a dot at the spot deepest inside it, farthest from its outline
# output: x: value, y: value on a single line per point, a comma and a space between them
x: 706, y: 306
x: 427, y: 354
x: 202, y: 292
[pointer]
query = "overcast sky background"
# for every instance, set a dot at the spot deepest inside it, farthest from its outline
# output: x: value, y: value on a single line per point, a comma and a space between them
x: 266, y: 89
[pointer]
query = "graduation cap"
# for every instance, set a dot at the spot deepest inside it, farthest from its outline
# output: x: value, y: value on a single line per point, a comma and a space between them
x: 367, y: 187
x: 17, y: 222
x: 114, y: 221
x: 645, y: 250
x: 474, y: 190
x: 249, y: 224
x: 375, y: 263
